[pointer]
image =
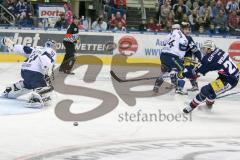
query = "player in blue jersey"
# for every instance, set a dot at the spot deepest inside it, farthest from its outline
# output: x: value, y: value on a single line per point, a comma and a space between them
x: 190, y: 62
x: 214, y: 59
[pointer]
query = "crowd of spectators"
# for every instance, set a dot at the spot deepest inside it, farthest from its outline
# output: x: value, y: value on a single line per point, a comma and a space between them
x: 113, y: 17
x: 204, y: 16
x: 22, y: 10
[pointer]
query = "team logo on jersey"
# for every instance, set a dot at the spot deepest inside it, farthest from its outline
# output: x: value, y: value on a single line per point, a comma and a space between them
x: 234, y: 51
x: 127, y: 45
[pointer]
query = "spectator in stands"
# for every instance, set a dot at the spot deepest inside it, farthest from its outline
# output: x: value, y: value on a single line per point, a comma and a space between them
x: 159, y: 4
x: 61, y: 23
x: 189, y: 4
x: 216, y: 7
x: 83, y: 23
x: 196, y: 5
x: 81, y: 26
x: 224, y: 2
x: 165, y: 10
x: 142, y: 26
x: 119, y: 27
x: 201, y: 30
x: 193, y: 20
x: 10, y: 5
x: 211, y: 29
x: 185, y: 19
x: 122, y: 11
x: 234, y: 23
x: 99, y: 24
x: 205, y: 8
x: 116, y: 19
x: 220, y: 22
x: 179, y: 14
x: 68, y: 13
x: 169, y: 22
x: 22, y: 10
x: 205, y: 20
x: 180, y: 7
x: 152, y: 26
x: 26, y: 20
x: 232, y: 5
x: 107, y: 7
x: 120, y: 3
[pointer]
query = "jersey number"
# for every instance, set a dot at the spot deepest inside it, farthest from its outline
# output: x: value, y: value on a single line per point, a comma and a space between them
x: 230, y: 66
x: 170, y: 43
x: 32, y: 58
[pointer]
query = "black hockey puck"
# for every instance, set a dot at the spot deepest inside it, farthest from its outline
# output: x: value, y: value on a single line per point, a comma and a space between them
x: 75, y: 123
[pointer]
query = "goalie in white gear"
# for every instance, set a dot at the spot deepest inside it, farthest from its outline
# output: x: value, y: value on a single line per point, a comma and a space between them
x: 35, y: 71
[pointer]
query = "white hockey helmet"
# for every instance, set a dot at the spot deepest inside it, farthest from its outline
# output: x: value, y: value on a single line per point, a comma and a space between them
x: 51, y: 44
x: 209, y: 44
x: 176, y: 26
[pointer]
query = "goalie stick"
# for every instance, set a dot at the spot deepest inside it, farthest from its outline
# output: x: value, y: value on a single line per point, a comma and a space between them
x: 133, y: 80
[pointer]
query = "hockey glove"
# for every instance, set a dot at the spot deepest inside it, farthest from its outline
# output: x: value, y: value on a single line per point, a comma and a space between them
x: 180, y: 75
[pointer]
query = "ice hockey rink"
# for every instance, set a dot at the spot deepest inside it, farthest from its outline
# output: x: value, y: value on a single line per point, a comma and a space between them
x: 38, y: 134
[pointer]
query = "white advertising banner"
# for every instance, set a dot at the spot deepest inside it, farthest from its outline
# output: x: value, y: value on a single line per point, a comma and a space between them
x: 50, y: 11
x: 133, y: 44
x: 149, y: 45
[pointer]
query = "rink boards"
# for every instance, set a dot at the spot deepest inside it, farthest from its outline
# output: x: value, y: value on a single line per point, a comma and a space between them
x: 106, y: 60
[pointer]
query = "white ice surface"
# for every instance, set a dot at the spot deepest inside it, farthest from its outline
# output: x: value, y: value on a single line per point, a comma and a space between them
x: 213, y: 135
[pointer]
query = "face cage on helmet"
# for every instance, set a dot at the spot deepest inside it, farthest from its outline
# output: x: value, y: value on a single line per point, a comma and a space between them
x: 50, y: 44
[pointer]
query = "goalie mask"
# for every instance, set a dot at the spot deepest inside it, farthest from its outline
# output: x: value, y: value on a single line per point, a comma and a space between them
x: 51, y: 44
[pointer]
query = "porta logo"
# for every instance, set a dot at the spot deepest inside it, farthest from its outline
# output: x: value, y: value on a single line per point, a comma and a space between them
x: 127, y: 45
x: 234, y: 51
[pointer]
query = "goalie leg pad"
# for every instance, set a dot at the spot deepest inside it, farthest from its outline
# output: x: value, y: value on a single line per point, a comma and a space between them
x: 40, y: 97
x: 15, y: 90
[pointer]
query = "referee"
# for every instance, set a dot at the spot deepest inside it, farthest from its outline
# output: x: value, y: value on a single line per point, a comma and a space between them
x: 69, y: 41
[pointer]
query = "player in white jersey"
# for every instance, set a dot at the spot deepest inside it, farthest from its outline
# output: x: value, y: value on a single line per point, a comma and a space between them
x: 175, y: 47
x: 176, y: 42
x: 35, y: 71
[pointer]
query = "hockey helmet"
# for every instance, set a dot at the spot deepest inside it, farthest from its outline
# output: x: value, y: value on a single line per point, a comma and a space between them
x: 209, y: 44
x: 51, y: 44
x: 176, y: 26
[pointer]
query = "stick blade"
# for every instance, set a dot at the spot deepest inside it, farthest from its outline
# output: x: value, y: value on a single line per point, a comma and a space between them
x: 115, y: 77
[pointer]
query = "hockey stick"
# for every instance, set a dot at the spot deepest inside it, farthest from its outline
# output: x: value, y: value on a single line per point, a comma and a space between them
x: 133, y: 80
x: 226, y: 95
